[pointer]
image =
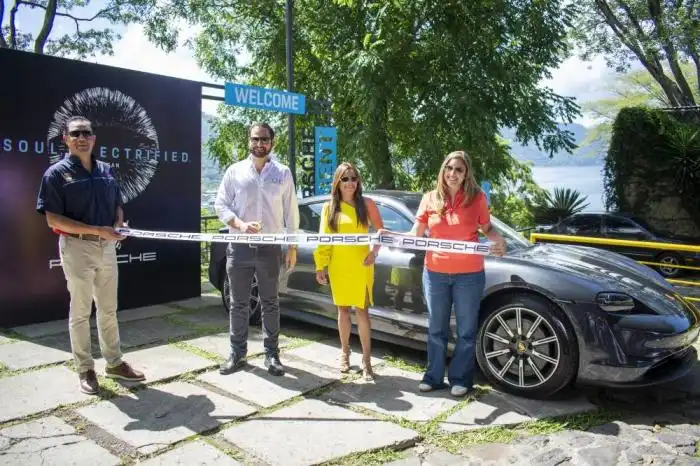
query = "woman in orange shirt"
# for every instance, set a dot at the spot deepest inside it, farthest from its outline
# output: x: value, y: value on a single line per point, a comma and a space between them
x: 456, y: 210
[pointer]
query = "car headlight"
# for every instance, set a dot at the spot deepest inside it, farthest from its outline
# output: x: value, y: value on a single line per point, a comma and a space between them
x: 615, y: 302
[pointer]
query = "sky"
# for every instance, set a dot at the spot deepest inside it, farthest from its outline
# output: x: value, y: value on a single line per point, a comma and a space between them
x: 574, y: 78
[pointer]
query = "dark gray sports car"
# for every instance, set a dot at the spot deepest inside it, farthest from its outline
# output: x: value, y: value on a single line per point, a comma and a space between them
x: 551, y: 314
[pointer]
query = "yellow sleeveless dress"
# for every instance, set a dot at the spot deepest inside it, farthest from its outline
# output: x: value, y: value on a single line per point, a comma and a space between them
x: 351, y: 281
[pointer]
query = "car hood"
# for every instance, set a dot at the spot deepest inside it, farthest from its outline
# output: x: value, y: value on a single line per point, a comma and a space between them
x: 611, y: 271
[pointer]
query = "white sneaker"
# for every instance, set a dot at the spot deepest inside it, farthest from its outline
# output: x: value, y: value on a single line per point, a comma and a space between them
x: 458, y: 390
x: 424, y: 387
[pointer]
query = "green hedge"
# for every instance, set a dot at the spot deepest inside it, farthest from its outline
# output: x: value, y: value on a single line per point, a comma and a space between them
x: 658, y: 148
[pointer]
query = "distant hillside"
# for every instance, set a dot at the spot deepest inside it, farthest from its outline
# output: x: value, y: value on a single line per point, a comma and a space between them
x: 591, y: 154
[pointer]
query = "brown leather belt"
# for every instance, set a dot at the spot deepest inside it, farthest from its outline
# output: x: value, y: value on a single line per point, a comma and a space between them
x: 87, y: 237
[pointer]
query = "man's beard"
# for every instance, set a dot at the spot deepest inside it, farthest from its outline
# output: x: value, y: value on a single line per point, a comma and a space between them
x: 260, y: 154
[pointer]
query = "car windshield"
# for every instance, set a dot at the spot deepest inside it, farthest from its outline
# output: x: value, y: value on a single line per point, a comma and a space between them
x: 513, y: 239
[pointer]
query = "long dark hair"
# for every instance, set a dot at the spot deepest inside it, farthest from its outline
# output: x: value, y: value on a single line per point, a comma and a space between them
x: 334, y: 207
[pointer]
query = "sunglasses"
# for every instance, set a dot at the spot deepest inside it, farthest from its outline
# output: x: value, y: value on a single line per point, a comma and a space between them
x: 345, y: 179
x: 81, y: 132
x: 263, y: 140
x: 449, y: 168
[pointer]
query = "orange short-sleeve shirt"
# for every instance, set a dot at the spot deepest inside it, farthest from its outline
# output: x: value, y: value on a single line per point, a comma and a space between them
x: 459, y: 223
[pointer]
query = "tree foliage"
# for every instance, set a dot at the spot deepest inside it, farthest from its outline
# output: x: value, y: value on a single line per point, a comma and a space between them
x: 409, y: 80
x: 84, y: 41
x: 653, y: 32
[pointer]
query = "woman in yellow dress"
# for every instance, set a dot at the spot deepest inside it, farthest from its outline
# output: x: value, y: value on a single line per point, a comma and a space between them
x: 350, y: 268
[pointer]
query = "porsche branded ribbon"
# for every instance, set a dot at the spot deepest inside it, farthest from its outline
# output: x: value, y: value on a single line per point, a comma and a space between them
x: 397, y: 241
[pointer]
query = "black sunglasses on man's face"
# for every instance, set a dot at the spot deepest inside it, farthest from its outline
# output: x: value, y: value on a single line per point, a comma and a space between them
x: 80, y: 132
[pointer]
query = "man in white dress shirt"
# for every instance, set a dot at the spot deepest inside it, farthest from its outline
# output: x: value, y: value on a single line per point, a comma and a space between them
x: 257, y: 195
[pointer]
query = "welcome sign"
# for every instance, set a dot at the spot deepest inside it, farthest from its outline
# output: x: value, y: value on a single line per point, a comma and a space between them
x: 148, y: 128
x: 264, y: 99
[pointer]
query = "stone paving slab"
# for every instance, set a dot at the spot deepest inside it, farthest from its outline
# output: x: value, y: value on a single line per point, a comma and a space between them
x: 328, y: 353
x: 50, y: 441
x: 311, y: 432
x: 253, y: 383
x: 496, y: 408
x: 207, y: 317
x: 191, y: 453
x: 54, y: 327
x: 160, y: 362
x: 220, y: 343
x: 26, y: 354
x: 156, y: 417
x: 395, y: 393
x: 200, y: 302
x: 143, y: 332
x: 38, y: 391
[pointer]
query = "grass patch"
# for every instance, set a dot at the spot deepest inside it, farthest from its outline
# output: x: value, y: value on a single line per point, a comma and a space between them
x: 385, y: 455
x: 398, y: 363
x: 198, y: 351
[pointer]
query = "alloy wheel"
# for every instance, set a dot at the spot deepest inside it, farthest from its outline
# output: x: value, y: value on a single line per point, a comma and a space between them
x: 521, y: 347
x: 669, y: 261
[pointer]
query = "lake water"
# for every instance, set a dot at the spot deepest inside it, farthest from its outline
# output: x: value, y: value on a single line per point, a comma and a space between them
x: 588, y: 180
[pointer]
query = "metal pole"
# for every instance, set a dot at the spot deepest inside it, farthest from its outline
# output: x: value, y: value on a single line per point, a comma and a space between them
x: 290, y: 86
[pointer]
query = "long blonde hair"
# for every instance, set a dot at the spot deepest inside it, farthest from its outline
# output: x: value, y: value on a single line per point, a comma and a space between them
x: 470, y: 186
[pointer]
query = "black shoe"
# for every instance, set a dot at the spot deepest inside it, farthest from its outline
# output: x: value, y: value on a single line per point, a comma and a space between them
x: 274, y: 366
x: 231, y: 365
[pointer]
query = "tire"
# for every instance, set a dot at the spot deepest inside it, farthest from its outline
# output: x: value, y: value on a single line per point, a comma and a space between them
x: 671, y: 259
x: 547, y: 368
x: 254, y: 310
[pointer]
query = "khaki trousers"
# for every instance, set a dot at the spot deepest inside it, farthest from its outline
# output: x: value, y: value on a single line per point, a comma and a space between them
x: 91, y: 273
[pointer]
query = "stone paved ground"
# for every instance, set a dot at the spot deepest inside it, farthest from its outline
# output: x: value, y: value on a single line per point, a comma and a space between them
x: 186, y: 413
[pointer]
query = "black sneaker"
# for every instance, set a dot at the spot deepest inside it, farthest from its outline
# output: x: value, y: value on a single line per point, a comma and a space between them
x: 274, y: 366
x: 231, y: 365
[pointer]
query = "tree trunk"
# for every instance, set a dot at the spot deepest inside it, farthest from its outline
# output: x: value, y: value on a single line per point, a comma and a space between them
x: 13, y: 25
x: 656, y: 12
x: 43, y: 36
x: 380, y: 160
x: 3, y: 42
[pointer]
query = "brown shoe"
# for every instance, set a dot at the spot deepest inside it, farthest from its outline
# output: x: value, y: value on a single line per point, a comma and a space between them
x: 88, y: 382
x: 124, y: 372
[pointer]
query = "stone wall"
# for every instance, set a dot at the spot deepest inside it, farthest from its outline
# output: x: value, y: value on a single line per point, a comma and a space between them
x: 663, y: 211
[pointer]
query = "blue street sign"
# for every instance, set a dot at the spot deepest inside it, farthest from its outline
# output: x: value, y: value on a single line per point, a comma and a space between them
x: 265, y: 99
x: 326, y: 142
x: 486, y: 188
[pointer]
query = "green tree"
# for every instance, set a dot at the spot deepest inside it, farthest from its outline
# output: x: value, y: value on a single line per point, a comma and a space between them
x: 653, y: 32
x: 81, y: 43
x: 561, y: 203
x: 409, y: 80
x: 632, y: 89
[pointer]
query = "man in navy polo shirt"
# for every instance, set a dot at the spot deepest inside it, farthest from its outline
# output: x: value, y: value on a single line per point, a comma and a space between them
x: 82, y: 202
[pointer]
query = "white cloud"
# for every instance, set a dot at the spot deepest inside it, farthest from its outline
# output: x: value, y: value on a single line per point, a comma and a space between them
x: 135, y: 52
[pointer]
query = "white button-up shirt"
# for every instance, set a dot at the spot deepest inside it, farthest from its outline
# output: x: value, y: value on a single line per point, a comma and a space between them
x: 268, y: 197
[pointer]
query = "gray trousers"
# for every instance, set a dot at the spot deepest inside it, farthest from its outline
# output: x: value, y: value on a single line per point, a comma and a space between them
x: 242, y: 262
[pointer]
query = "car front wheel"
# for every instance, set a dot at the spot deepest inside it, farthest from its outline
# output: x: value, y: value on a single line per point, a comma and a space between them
x: 526, y: 347
x: 254, y: 309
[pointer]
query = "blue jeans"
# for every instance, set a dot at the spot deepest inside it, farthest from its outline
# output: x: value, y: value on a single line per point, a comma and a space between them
x: 442, y: 291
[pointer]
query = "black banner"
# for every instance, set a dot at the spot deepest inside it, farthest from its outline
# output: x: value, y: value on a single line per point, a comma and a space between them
x: 148, y: 128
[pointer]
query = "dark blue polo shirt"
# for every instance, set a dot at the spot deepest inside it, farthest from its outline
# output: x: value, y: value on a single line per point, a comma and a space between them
x: 68, y: 189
